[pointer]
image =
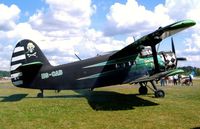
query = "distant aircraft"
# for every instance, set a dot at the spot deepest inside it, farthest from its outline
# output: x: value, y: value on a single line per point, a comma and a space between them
x: 138, y: 62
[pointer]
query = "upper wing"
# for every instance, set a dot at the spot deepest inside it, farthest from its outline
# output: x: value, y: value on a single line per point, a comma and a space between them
x: 154, y: 37
x: 158, y: 75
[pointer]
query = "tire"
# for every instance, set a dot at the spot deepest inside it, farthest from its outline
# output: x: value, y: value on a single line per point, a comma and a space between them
x: 40, y: 95
x: 159, y: 94
x: 143, y: 90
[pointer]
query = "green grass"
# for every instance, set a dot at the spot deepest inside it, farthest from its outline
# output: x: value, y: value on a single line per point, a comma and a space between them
x: 105, y: 108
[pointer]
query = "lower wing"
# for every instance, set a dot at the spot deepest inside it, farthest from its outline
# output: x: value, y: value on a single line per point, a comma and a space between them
x: 157, y: 76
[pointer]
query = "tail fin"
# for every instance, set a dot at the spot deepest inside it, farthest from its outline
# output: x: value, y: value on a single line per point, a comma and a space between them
x: 27, y: 59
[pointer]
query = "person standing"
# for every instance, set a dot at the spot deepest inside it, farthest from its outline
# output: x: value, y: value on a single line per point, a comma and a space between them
x: 190, y: 79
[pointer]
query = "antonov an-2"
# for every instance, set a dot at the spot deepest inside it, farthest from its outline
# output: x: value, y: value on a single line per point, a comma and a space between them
x: 138, y: 62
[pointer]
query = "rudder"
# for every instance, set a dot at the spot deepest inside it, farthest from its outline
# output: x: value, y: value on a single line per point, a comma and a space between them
x: 27, y: 59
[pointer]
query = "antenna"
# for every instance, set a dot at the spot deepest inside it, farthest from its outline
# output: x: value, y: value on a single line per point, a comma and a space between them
x: 77, y: 56
x: 133, y: 38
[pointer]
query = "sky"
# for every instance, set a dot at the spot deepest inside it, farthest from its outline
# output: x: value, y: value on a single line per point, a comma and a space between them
x: 62, y: 28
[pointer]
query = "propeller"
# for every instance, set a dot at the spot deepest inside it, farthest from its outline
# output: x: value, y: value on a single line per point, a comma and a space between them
x: 174, y: 51
x: 173, y: 48
x: 181, y: 58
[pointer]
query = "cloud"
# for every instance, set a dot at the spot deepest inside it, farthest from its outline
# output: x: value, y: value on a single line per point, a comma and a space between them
x: 5, y: 54
x: 61, y: 30
x: 64, y: 28
x: 188, y: 9
x: 135, y: 18
x: 8, y: 16
x: 62, y: 15
x: 63, y: 25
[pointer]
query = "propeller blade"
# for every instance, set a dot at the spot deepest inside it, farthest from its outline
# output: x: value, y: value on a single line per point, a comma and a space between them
x: 181, y: 59
x: 173, y: 48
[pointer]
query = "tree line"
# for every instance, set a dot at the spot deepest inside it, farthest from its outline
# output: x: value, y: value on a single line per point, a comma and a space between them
x: 4, y: 74
x: 189, y: 69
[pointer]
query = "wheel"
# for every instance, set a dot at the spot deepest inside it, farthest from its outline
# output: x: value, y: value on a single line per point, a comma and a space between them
x: 159, y: 94
x: 91, y: 89
x: 143, y: 90
x: 40, y: 95
x: 57, y: 91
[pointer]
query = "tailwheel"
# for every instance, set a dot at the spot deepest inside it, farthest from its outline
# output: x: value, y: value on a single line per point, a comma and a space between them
x: 159, y: 94
x: 40, y: 95
x: 57, y: 91
x: 143, y: 89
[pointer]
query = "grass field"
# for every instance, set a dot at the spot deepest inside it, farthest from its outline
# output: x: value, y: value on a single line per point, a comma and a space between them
x: 118, y: 107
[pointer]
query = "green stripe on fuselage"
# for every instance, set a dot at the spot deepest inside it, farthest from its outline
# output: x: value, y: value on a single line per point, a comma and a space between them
x: 141, y: 64
x: 115, y: 61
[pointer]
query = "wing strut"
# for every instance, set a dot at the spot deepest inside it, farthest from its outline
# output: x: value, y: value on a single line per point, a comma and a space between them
x: 155, y: 59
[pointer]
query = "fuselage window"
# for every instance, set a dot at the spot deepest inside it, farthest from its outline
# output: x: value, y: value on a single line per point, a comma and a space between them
x: 129, y: 63
x: 117, y: 66
x: 146, y: 52
x: 124, y: 65
x: 132, y: 62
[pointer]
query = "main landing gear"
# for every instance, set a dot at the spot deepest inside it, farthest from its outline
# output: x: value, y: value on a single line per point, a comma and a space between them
x: 157, y: 92
x: 143, y: 88
x: 40, y: 95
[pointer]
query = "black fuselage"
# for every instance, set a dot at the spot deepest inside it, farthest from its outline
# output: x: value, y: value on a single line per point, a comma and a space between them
x: 90, y: 73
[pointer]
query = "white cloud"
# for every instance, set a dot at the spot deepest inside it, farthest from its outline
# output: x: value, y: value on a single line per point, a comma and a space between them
x: 94, y: 42
x: 5, y: 54
x: 62, y: 15
x: 188, y: 9
x: 183, y: 9
x: 64, y: 28
x: 63, y: 25
x: 8, y: 16
x: 61, y: 30
x: 132, y: 17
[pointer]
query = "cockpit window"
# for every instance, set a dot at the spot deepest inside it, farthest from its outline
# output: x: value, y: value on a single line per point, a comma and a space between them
x: 146, y: 52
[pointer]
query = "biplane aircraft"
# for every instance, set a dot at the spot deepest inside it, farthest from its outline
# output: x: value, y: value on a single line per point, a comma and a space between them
x: 138, y: 62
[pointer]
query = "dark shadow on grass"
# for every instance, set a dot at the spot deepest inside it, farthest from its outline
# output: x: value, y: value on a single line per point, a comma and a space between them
x: 61, y: 96
x: 196, y: 128
x: 107, y: 100
x: 13, y: 98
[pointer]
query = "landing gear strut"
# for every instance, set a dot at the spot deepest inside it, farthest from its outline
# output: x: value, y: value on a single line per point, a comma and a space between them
x: 157, y: 92
x: 40, y: 95
x: 143, y: 90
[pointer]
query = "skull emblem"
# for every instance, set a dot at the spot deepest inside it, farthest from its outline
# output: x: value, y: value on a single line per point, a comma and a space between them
x: 30, y: 47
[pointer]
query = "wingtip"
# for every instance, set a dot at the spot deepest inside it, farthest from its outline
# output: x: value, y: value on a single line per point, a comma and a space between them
x: 191, y: 22
x: 185, y: 23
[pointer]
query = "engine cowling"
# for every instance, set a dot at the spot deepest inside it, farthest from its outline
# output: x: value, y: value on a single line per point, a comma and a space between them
x: 170, y: 60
